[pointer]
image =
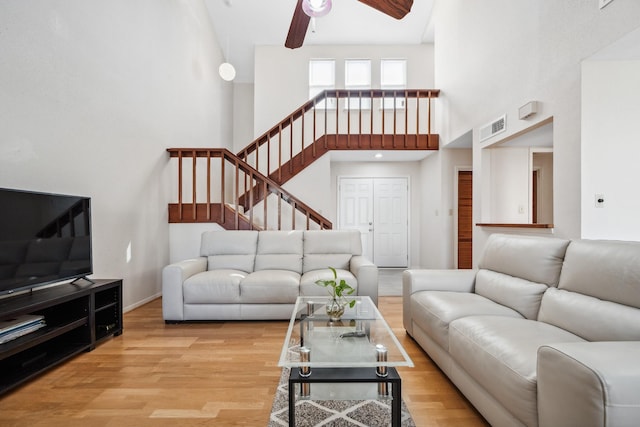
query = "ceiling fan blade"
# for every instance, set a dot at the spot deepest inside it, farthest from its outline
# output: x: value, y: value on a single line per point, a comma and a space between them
x: 298, y: 28
x: 395, y: 8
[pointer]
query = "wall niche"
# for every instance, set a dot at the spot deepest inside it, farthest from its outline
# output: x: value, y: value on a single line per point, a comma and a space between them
x: 517, y: 179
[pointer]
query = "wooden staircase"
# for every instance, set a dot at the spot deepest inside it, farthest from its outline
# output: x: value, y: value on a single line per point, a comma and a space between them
x: 251, y: 181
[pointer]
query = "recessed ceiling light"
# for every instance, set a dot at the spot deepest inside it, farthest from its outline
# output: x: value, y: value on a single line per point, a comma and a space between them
x: 378, y: 155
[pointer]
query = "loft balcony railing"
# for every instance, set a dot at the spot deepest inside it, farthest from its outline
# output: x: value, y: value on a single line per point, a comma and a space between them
x: 211, y: 182
x: 344, y: 120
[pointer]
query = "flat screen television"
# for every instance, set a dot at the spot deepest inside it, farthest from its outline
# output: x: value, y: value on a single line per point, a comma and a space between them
x: 44, y: 238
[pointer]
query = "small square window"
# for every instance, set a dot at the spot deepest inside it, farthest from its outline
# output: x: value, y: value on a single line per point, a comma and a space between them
x: 322, y: 76
x: 393, y: 76
x: 357, y: 76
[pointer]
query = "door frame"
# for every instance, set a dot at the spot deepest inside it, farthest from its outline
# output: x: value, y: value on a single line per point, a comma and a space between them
x: 456, y: 171
x: 409, y: 189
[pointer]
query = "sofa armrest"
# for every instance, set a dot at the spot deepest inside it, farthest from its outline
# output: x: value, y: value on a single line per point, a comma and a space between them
x: 366, y: 274
x: 432, y: 280
x: 173, y: 276
x: 589, y: 384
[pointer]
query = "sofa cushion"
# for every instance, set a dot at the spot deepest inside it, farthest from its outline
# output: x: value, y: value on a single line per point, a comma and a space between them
x: 501, y: 354
x: 234, y: 250
x: 591, y: 318
x: 433, y: 311
x: 278, y: 250
x: 308, y: 280
x: 608, y: 270
x: 330, y: 248
x: 213, y: 287
x: 533, y: 258
x: 519, y: 294
x: 270, y: 286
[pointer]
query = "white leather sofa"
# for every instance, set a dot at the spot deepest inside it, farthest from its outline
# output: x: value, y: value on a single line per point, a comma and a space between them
x: 545, y: 333
x: 257, y: 275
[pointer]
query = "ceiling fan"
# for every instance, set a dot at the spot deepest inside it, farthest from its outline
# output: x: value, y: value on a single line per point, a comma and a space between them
x: 397, y: 9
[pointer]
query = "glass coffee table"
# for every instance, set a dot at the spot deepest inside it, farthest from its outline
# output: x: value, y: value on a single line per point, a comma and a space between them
x: 351, y: 359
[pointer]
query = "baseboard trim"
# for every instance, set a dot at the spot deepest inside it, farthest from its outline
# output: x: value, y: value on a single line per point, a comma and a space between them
x: 141, y: 302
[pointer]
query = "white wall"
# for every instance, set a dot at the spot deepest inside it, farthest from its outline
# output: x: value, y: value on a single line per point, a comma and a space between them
x: 509, y: 177
x: 242, y: 116
x: 492, y: 57
x: 282, y: 75
x: 186, y: 239
x: 610, y: 149
x: 91, y: 95
x: 313, y: 186
x: 432, y: 228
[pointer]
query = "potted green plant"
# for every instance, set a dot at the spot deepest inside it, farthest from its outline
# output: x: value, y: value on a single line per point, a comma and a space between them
x: 338, y: 291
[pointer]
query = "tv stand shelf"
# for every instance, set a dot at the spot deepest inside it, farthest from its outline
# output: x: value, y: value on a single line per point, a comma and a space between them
x: 78, y: 316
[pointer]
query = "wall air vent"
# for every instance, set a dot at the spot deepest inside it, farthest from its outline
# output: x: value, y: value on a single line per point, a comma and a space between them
x: 495, y: 127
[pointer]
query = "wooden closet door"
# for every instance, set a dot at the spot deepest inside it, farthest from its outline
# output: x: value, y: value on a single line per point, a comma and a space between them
x: 465, y: 219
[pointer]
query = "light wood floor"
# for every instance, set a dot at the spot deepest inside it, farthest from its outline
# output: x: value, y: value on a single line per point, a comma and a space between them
x: 201, y: 374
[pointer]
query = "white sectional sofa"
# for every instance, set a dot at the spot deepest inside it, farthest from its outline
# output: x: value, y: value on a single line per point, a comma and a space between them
x: 545, y: 333
x: 257, y: 275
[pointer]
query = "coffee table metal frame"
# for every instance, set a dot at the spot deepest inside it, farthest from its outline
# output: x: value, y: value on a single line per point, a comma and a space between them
x: 348, y: 375
x: 334, y: 366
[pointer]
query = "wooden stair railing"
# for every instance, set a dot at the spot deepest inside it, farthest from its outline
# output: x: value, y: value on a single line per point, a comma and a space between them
x: 282, y: 152
x: 315, y: 124
x: 296, y: 142
x: 215, y: 194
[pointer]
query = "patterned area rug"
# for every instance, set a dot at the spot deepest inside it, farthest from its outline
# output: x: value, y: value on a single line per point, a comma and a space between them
x: 332, y: 413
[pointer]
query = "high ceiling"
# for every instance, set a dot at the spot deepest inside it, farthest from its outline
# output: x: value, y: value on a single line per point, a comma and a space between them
x: 242, y: 24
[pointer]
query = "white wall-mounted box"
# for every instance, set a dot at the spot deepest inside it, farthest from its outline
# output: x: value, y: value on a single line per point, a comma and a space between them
x: 528, y: 110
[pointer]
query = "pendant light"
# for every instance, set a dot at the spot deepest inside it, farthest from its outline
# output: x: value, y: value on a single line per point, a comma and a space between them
x: 226, y: 70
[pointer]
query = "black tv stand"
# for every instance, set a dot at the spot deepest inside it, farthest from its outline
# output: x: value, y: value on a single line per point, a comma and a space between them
x: 77, y: 319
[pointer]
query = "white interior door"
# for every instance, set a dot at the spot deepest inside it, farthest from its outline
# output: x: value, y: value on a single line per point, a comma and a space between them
x: 378, y: 208
x: 390, y: 240
x: 356, y: 210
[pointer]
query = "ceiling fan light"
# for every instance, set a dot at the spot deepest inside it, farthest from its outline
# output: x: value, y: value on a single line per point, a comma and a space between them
x: 316, y: 8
